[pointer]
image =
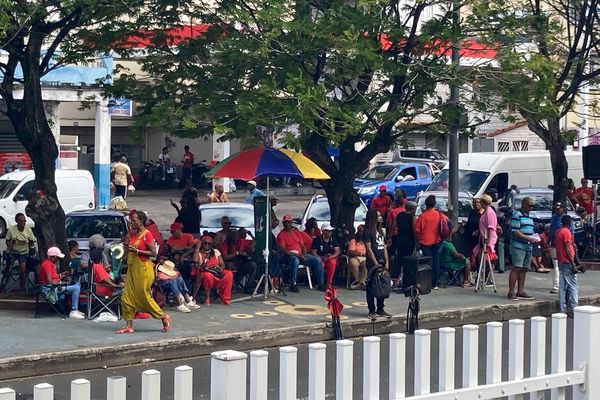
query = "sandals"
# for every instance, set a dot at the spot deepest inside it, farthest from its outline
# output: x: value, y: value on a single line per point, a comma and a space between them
x: 127, y: 329
x: 166, y: 321
x: 467, y: 284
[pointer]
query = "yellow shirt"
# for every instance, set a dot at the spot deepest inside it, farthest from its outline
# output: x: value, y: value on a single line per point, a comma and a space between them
x: 21, y: 239
x: 121, y: 171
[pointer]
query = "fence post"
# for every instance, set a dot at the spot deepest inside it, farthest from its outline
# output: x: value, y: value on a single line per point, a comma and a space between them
x: 559, y: 351
x: 371, y: 368
x: 344, y: 369
x: 446, y: 367
x: 80, y: 389
x: 586, y: 351
x: 494, y: 352
x: 7, y: 394
x: 259, y: 374
x: 397, y: 365
x: 422, y: 361
x: 116, y: 388
x: 183, y: 383
x: 516, y: 338
x: 470, y: 355
x: 43, y: 391
x: 316, y: 371
x: 538, y: 352
x: 288, y: 365
x: 228, y: 375
x: 151, y: 385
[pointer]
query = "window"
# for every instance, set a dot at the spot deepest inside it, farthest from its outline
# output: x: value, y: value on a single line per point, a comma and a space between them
x: 379, y: 173
x: 503, y: 146
x: 423, y: 172
x: 520, y: 145
x: 319, y: 210
x: 412, y: 171
x: 25, y: 190
x: 468, y: 181
x: 500, y: 183
x: 82, y: 227
x: 239, y: 217
x: 6, y: 188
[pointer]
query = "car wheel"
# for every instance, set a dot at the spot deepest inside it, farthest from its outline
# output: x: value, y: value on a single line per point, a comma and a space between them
x: 2, y: 228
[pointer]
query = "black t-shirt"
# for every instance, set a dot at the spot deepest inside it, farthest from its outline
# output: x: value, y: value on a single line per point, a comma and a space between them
x: 404, y: 222
x: 322, y: 247
x: 190, y: 219
x: 377, y: 245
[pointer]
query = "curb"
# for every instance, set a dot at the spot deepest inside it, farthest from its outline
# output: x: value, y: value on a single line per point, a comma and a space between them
x: 170, y: 349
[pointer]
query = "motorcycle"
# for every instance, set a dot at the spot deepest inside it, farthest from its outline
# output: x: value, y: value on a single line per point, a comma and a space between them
x: 198, y: 178
x: 152, y: 174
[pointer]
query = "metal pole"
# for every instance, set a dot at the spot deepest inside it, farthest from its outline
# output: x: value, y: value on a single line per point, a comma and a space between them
x: 454, y: 124
x: 268, y: 227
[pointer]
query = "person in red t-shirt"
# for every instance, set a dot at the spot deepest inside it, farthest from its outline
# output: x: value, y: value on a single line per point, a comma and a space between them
x: 187, y: 165
x: 212, y: 273
x: 566, y: 257
x: 585, y: 196
x: 180, y: 248
x: 104, y: 285
x: 237, y: 254
x: 382, y: 202
x: 49, y: 276
x: 291, y: 246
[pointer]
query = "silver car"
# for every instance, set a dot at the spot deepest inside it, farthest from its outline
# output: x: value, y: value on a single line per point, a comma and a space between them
x: 465, y: 203
x: 420, y: 154
x: 318, y: 208
x: 241, y: 215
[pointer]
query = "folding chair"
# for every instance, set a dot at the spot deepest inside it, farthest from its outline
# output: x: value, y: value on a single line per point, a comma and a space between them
x: 453, y: 277
x: 11, y: 274
x: 47, y: 297
x: 98, y: 303
x: 307, y: 272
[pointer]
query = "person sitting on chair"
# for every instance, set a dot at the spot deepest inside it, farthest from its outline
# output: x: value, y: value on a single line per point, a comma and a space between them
x: 452, y: 260
x: 328, y: 250
x: 210, y: 272
x: 105, y: 286
x: 170, y: 280
x: 357, y: 264
x: 49, y: 276
x: 180, y: 248
x: 237, y: 254
x: 96, y: 241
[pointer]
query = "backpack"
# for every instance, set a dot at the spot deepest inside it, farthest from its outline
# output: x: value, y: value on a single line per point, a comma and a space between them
x: 444, y: 228
x: 379, y: 283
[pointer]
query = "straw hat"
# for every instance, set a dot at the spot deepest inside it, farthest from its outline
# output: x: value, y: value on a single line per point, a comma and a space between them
x: 167, y: 268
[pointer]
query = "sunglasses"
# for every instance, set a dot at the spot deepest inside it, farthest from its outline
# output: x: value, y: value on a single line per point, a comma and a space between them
x: 206, y: 243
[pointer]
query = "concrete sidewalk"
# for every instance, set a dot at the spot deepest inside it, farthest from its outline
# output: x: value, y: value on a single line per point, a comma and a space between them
x: 48, y: 345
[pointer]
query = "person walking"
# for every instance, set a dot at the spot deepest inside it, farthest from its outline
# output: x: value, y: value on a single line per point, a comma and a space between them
x: 121, y: 177
x: 137, y: 297
x: 377, y: 257
x: 427, y: 232
x: 521, y: 245
x: 20, y: 240
x: 566, y: 256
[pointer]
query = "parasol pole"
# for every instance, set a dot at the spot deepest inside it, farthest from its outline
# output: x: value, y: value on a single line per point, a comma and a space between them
x: 268, y: 225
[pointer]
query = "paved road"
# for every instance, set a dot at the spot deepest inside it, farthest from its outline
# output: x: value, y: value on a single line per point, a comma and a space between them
x: 201, y: 367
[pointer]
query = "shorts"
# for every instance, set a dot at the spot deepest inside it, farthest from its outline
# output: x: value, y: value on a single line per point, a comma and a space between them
x: 18, y: 257
x: 520, y: 258
x: 537, y: 251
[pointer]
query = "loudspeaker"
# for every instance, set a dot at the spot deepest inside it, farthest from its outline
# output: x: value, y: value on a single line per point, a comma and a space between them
x: 417, y: 271
x: 591, y: 162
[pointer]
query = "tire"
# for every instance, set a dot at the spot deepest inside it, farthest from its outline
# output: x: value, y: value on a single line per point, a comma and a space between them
x: 3, y: 228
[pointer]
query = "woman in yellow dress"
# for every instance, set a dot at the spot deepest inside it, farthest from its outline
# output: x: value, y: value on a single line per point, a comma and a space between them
x: 137, y: 296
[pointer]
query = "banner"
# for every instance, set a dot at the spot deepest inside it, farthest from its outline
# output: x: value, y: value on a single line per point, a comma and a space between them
x: 261, y: 225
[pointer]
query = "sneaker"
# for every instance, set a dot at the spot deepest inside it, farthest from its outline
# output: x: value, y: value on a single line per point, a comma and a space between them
x: 436, y: 288
x: 382, y: 313
x: 554, y: 291
x: 192, y: 305
x: 512, y: 297
x: 76, y: 315
x: 294, y: 289
x: 183, y: 308
x: 525, y: 296
x: 372, y: 316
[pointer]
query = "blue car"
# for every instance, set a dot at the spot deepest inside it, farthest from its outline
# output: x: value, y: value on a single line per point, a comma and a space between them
x: 411, y: 177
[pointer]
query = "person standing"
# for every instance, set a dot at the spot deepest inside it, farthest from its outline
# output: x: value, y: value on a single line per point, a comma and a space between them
x: 187, y: 165
x: 566, y: 256
x: 404, y: 245
x: 137, y: 296
x: 121, y: 177
x: 165, y: 162
x: 189, y: 215
x: 555, y: 225
x: 218, y: 195
x: 382, y: 202
x: 585, y: 196
x: 488, y: 224
x: 521, y: 245
x: 20, y: 240
x: 377, y: 257
x: 253, y: 192
x: 427, y: 232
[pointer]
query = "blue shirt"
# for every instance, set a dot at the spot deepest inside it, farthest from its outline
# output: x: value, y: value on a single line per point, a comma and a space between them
x: 252, y: 194
x: 520, y: 222
x: 555, y: 224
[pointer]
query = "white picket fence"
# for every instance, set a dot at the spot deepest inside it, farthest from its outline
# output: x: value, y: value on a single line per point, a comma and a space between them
x: 229, y: 379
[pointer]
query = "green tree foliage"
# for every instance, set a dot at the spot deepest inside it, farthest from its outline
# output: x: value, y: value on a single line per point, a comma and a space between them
x: 547, y: 50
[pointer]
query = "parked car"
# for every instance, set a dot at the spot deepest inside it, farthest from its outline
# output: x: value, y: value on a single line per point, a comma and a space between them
x: 465, y: 203
x: 318, y: 208
x: 541, y: 212
x: 80, y: 225
x: 411, y: 177
x: 75, y: 192
x: 420, y: 154
x: 240, y: 214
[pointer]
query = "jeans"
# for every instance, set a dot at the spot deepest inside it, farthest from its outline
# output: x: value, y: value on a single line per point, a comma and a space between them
x: 435, y: 252
x: 316, y: 267
x: 568, y: 281
x: 121, y: 190
x: 176, y: 286
x: 371, y: 300
x: 292, y: 262
x: 74, y: 290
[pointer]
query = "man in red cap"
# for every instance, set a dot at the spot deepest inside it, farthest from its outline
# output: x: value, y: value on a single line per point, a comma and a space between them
x: 210, y: 272
x: 382, y: 202
x: 180, y: 247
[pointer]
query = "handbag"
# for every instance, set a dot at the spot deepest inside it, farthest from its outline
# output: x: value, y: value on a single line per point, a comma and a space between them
x: 158, y: 294
x: 379, y: 283
x: 32, y: 261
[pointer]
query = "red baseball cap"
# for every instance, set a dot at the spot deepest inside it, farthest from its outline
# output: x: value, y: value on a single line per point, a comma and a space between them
x: 382, y: 187
x: 287, y: 217
x: 176, y: 226
x: 206, y: 238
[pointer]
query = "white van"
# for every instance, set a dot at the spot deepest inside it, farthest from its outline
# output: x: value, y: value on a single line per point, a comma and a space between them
x: 75, y: 192
x: 494, y: 173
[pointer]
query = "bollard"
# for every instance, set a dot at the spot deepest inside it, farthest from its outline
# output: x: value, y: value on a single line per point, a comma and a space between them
x: 446, y: 364
x: 316, y: 371
x: 288, y: 366
x: 397, y: 363
x: 183, y: 383
x: 259, y: 374
x: 43, y: 391
x: 228, y: 375
x: 80, y: 389
x: 344, y: 369
x: 7, y: 394
x: 422, y: 361
x: 371, y: 368
x: 151, y: 385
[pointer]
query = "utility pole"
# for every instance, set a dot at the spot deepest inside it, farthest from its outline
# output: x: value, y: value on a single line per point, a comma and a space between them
x: 456, y: 117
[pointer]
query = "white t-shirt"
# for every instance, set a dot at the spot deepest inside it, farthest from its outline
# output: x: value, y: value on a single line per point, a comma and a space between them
x: 164, y: 159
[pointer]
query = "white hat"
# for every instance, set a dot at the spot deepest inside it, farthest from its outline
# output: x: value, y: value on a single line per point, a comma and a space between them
x: 326, y: 227
x: 168, y: 268
x: 55, y: 252
x: 251, y: 182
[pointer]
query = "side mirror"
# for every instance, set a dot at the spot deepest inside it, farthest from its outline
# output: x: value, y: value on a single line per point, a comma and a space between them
x: 297, y: 221
x: 19, y: 197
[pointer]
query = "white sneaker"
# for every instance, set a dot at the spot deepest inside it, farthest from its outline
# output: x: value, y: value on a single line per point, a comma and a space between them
x: 76, y: 315
x: 183, y: 308
x: 192, y: 305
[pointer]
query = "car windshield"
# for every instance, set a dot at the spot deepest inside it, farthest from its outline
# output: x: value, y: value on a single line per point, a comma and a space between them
x: 465, y: 205
x: 84, y: 226
x: 6, y: 187
x: 320, y: 211
x: 379, y: 173
x: 541, y: 201
x: 239, y: 217
x: 468, y: 181
x: 436, y: 155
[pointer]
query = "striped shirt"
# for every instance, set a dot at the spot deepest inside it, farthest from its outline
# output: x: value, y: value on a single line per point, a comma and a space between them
x: 520, y: 222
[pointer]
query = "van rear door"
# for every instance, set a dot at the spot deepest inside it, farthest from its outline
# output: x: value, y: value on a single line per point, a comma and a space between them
x: 75, y: 192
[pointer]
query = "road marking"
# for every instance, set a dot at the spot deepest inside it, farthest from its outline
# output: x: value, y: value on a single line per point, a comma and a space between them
x: 360, y: 304
x: 302, y: 309
x: 266, y: 313
x: 241, y: 316
x: 274, y: 302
